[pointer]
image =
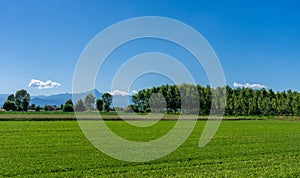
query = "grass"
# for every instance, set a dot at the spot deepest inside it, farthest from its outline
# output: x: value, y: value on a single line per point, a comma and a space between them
x: 252, y: 148
x: 49, y: 115
x: 59, y: 115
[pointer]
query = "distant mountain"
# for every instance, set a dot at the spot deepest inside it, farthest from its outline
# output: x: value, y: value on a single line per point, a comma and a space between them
x: 3, y: 98
x: 79, y: 96
x: 50, y: 100
x: 41, y: 100
x: 61, y: 98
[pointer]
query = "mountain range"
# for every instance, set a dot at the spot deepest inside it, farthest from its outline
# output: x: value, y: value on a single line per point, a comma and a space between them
x: 58, y: 99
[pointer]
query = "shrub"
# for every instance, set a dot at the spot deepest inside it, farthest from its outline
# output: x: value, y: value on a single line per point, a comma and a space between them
x: 68, y: 108
x: 9, y: 105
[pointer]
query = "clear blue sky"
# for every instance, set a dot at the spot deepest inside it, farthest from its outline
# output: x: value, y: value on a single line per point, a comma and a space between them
x: 257, y: 42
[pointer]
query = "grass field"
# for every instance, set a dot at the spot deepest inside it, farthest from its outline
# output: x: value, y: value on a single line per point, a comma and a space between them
x: 59, y: 115
x: 239, y: 149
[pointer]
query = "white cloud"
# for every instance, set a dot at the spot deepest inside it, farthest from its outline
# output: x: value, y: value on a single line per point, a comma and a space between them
x: 248, y: 85
x: 122, y: 93
x: 43, y: 85
x: 119, y: 92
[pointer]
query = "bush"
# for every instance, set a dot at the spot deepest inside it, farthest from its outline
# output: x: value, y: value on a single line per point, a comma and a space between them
x: 37, y: 109
x: 32, y: 107
x: 68, y: 108
x: 99, y: 104
x: 9, y: 105
x: 118, y: 109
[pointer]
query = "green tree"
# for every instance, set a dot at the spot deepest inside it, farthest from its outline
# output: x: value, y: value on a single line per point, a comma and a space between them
x: 229, y: 101
x: 253, y: 109
x: 89, y: 101
x: 239, y: 101
x: 11, y: 98
x: 158, y: 103
x: 9, y: 105
x: 79, y: 106
x: 107, y: 100
x: 25, y: 104
x: 69, y: 102
x: 99, y: 104
x: 46, y: 108
x: 22, y: 99
x: 208, y: 99
x: 32, y: 107
x: 68, y: 106
x: 37, y: 109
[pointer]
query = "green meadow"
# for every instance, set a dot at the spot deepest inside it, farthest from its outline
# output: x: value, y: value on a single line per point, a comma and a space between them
x: 241, y: 148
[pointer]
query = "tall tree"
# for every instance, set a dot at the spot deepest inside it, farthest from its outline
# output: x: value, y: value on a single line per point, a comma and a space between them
x: 70, y: 102
x: 68, y: 106
x: 99, y: 104
x: 89, y: 101
x: 11, y: 98
x: 239, y: 101
x: 25, y: 104
x: 32, y: 107
x: 107, y: 100
x: 79, y: 106
x: 22, y: 99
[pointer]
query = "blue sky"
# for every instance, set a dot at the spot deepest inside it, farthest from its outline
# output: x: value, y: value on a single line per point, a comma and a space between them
x: 257, y: 42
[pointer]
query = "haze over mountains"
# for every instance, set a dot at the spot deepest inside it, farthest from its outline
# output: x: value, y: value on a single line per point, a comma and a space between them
x: 58, y: 99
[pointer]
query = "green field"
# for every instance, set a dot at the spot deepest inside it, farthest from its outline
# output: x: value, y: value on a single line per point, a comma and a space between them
x: 59, y: 115
x: 251, y: 148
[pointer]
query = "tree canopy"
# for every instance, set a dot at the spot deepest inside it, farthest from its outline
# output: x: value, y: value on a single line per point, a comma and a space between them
x: 107, y: 100
x: 99, y: 104
x: 89, y: 101
x: 68, y: 106
x: 9, y: 105
x: 19, y: 101
x: 172, y: 98
x: 79, y: 106
x: 239, y: 101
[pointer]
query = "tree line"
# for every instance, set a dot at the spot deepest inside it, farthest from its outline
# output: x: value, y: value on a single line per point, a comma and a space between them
x: 184, y: 98
x: 239, y: 101
x: 17, y: 102
x: 90, y: 101
x: 21, y: 99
